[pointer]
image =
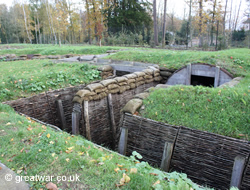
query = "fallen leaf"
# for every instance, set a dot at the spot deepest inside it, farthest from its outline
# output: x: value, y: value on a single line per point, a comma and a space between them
x: 119, y: 165
x: 12, y: 139
x: 48, y: 135
x: 22, y: 150
x: 68, y: 151
x: 153, y: 174
x: 133, y: 170
x: 29, y: 128
x: 44, y: 127
x: 51, y: 142
x: 241, y: 135
x: 51, y: 186
x: 67, y: 159
x: 70, y: 148
x: 125, y: 179
x: 80, y: 153
x: 19, y: 171
x: 209, y: 100
x: 8, y: 123
x: 100, y: 163
x: 116, y: 170
x: 157, y: 182
x: 124, y: 169
x: 39, y: 150
x: 53, y: 154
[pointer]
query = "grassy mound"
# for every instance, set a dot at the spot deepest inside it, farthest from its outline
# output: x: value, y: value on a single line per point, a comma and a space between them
x: 222, y: 111
x: 26, y: 78
x: 48, y: 49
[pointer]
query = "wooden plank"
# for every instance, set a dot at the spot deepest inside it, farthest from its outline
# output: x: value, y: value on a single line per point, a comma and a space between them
x: 112, y: 119
x: 60, y: 113
x: 122, y: 147
x: 86, y: 118
x: 217, y: 76
x: 188, y: 76
x: 75, y: 123
x: 238, y: 169
x: 166, y: 157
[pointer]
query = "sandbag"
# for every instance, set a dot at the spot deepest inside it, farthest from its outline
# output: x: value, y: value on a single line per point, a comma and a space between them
x: 132, y: 106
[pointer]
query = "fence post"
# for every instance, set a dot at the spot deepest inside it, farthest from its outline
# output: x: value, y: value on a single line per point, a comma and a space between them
x: 189, y: 72
x: 60, y: 113
x: 86, y: 118
x: 122, y: 147
x: 217, y: 76
x: 238, y: 169
x: 112, y: 119
x: 166, y: 157
x: 76, y: 118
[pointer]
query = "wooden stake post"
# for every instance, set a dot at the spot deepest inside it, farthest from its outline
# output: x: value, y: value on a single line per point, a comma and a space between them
x: 166, y: 157
x: 122, y: 147
x: 238, y: 169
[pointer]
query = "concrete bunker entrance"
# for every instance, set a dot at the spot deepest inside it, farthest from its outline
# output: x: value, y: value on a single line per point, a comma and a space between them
x: 200, y: 74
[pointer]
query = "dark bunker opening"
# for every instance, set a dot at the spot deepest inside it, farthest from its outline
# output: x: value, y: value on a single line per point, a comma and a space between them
x: 202, y: 80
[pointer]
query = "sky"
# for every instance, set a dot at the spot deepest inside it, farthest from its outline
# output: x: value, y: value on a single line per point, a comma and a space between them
x: 176, y: 6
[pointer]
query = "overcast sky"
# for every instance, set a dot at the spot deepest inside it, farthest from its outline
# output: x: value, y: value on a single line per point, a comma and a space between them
x: 176, y: 6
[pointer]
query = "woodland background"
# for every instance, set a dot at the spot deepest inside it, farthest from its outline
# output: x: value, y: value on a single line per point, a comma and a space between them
x: 205, y: 24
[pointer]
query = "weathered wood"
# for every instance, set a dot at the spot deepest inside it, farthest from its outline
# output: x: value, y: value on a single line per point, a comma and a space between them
x: 217, y: 76
x: 86, y: 118
x: 75, y: 123
x: 60, y: 113
x: 122, y: 147
x: 76, y: 118
x: 112, y: 119
x: 238, y: 169
x: 188, y: 76
x: 166, y: 157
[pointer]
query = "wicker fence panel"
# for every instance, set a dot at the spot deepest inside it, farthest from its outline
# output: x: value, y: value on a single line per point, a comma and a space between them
x: 148, y: 137
x: 43, y: 106
x: 100, y: 122
x: 207, y: 158
x: 246, y: 178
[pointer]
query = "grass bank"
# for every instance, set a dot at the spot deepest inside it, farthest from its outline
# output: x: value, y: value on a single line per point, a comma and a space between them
x: 48, y: 49
x: 235, y: 61
x: 25, y: 78
x: 31, y: 149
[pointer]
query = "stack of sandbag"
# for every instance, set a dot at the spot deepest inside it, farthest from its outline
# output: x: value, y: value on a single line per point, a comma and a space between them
x: 123, y: 84
x: 131, y: 80
x: 106, y: 71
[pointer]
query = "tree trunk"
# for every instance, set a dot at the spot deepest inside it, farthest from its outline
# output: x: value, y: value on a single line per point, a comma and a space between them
x: 39, y: 32
x: 164, y: 24
x: 156, y: 43
x: 200, y: 23
x: 25, y: 21
x: 190, y: 23
x: 36, y: 31
x: 89, y: 29
x: 212, y: 28
x: 236, y: 22
x: 224, y: 25
x: 230, y: 21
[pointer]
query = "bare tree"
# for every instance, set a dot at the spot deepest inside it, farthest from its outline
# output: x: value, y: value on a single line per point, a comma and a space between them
x: 164, y: 23
x: 230, y: 20
x: 25, y: 21
x: 155, y: 24
x: 212, y: 29
x: 236, y: 21
x: 200, y: 23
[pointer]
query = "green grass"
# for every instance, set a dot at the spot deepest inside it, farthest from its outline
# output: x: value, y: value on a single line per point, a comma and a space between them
x: 222, y: 111
x: 48, y: 49
x: 31, y: 149
x: 26, y: 78
x: 235, y: 61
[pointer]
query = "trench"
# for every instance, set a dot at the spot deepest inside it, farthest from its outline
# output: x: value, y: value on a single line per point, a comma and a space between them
x: 207, y: 158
